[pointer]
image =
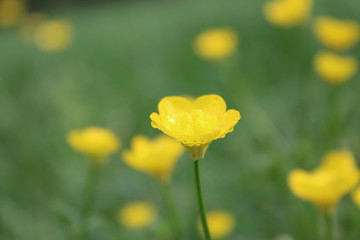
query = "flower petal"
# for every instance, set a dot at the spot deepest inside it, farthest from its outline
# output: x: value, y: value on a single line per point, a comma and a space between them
x: 212, y: 104
x: 173, y: 106
x: 230, y: 119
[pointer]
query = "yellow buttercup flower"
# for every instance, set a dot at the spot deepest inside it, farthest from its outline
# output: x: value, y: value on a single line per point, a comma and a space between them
x: 137, y: 215
x: 95, y: 142
x: 28, y: 24
x: 216, y: 43
x: 54, y: 35
x: 220, y: 223
x: 336, y: 34
x: 327, y: 184
x: 156, y: 157
x: 356, y: 196
x: 333, y: 68
x: 11, y: 12
x: 195, y: 122
x: 287, y: 13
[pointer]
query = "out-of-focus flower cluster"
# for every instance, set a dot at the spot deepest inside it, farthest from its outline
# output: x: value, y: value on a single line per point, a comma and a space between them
x: 189, y: 123
x: 335, y: 34
x: 49, y: 35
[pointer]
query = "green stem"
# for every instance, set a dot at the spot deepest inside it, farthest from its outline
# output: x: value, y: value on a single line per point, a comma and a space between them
x: 171, y: 211
x: 200, y: 202
x: 89, y: 194
x: 334, y: 117
x: 322, y: 226
x: 328, y: 226
x: 334, y: 225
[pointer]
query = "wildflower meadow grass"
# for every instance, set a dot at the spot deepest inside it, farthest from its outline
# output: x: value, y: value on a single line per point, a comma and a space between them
x: 295, y: 84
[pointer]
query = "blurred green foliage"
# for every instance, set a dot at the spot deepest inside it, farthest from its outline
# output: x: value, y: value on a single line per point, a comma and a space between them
x: 124, y: 59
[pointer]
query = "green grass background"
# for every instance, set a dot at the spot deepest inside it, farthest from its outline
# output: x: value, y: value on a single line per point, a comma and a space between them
x: 123, y: 60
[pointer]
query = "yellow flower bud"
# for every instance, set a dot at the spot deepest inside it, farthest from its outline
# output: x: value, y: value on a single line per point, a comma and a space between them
x: 287, y: 13
x: 327, y: 184
x: 220, y: 223
x: 54, y: 36
x: 137, y: 215
x: 333, y: 68
x: 216, y: 43
x: 336, y: 34
x: 11, y: 12
x: 156, y: 157
x: 195, y: 123
x: 95, y: 142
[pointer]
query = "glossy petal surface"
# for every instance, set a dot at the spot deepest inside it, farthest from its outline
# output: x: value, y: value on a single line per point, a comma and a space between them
x: 195, y: 122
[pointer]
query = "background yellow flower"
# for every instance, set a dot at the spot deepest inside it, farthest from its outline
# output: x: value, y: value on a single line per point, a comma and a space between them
x: 333, y: 68
x: 216, y: 43
x: 11, y: 12
x: 95, y: 142
x: 195, y: 123
x: 326, y: 185
x: 156, y: 157
x: 221, y: 224
x: 287, y: 13
x: 137, y: 215
x: 336, y: 34
x: 54, y: 35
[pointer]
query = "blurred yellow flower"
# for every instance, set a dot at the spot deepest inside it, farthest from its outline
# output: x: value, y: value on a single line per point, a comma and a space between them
x: 287, y: 13
x: 333, y: 68
x: 356, y: 196
x: 216, y: 43
x: 220, y: 223
x: 195, y: 122
x: 156, y: 157
x: 28, y: 24
x: 54, y: 35
x: 336, y: 34
x: 327, y: 184
x: 137, y: 215
x: 11, y: 12
x: 95, y: 142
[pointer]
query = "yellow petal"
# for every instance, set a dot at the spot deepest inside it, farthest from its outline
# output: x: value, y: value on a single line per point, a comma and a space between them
x: 173, y: 106
x: 333, y: 68
x: 156, y: 157
x: 220, y: 223
x: 137, y: 215
x: 336, y: 34
x: 54, y: 36
x: 195, y: 123
x: 287, y: 13
x: 216, y: 43
x: 326, y: 185
x: 95, y: 142
x: 212, y: 104
x: 230, y: 119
